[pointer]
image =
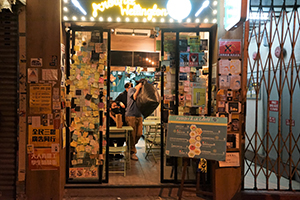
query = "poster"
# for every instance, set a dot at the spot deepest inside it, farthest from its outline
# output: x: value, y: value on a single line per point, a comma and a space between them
x: 83, y: 172
x: 224, y: 67
x: 235, y: 66
x: 194, y: 59
x: 33, y: 75
x: 40, y: 99
x: 197, y: 137
x: 199, y: 93
x: 224, y: 82
x: 232, y: 160
x: 36, y: 62
x: 49, y: 74
x: 229, y: 47
x: 184, y: 59
x: 43, y: 159
x: 193, y: 40
x: 43, y: 136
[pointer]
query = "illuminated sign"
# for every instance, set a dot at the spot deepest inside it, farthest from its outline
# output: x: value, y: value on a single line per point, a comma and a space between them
x: 160, y: 11
x: 129, y: 8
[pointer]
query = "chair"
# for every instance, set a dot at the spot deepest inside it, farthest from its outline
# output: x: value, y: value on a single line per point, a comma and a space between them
x: 152, y: 139
x: 119, y: 150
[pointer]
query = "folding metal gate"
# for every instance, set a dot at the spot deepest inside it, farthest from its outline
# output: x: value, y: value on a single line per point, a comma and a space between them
x: 272, y: 139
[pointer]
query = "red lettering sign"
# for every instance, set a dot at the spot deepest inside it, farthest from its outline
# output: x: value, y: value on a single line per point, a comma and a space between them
x: 272, y: 119
x: 229, y: 47
x: 273, y: 105
x: 287, y: 122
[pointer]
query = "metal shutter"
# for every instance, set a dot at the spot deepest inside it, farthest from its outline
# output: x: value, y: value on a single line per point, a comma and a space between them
x: 8, y: 103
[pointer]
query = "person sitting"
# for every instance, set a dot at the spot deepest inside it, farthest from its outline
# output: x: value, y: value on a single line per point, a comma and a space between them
x: 113, y: 142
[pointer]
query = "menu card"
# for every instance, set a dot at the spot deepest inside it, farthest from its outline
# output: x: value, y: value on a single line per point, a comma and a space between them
x: 197, y: 137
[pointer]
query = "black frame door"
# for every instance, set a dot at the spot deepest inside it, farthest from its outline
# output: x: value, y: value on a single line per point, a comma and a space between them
x: 70, y: 51
x: 164, y: 112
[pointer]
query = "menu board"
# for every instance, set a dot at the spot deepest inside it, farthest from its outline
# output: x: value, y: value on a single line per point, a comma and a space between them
x: 197, y: 137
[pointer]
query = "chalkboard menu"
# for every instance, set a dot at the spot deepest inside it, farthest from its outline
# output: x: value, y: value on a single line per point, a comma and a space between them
x: 197, y: 137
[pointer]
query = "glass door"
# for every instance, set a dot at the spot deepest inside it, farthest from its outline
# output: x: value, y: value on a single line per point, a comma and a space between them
x: 86, y: 104
x: 185, y: 88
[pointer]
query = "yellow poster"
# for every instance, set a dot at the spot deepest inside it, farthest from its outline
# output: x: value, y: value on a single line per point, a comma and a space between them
x: 43, y: 136
x: 40, y: 99
x: 199, y: 96
x: 194, y: 40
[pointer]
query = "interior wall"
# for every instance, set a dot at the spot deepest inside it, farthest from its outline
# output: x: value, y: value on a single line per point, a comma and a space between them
x: 132, y: 43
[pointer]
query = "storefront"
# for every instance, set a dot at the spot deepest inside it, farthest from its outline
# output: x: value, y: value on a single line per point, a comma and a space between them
x: 110, y: 43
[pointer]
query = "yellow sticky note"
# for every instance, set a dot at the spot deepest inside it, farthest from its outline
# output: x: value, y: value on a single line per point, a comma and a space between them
x: 77, y: 119
x: 76, y: 48
x: 84, y: 54
x: 96, y: 113
x: 96, y: 76
x: 91, y: 126
x: 85, y: 134
x: 72, y: 88
x: 73, y: 144
x: 74, y: 57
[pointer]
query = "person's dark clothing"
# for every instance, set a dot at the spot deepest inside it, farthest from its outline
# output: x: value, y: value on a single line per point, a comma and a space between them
x: 122, y: 97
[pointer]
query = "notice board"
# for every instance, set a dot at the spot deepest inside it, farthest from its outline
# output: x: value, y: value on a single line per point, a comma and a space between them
x: 197, y: 137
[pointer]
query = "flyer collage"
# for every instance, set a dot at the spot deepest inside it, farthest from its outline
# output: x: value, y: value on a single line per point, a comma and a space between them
x: 44, y: 114
x: 86, y: 100
x: 229, y: 99
x: 192, y: 86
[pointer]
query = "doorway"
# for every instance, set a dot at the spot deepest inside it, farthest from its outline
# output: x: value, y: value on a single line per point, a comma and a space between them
x: 98, y: 70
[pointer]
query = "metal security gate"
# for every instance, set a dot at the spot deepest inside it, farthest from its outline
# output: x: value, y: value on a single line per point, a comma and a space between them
x: 272, y: 56
x: 8, y: 103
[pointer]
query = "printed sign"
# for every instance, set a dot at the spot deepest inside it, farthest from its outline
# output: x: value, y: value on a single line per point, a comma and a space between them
x: 272, y: 119
x: 197, y: 137
x: 43, y: 159
x: 287, y: 122
x: 230, y: 47
x: 36, y: 62
x: 40, y: 99
x: 232, y: 160
x: 273, y: 105
x: 83, y: 172
x: 43, y: 136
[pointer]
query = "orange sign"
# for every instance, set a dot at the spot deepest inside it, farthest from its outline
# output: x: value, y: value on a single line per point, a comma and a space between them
x: 43, y: 159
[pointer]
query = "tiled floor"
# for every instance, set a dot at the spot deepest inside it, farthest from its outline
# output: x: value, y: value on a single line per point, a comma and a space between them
x: 147, y: 172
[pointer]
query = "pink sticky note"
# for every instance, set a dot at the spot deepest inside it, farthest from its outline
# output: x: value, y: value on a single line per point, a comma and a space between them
x: 78, y: 77
x: 188, y: 97
x: 101, y: 80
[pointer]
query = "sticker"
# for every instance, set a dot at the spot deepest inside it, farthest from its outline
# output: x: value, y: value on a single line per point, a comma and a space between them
x: 33, y: 75
x: 36, y: 62
x: 30, y: 148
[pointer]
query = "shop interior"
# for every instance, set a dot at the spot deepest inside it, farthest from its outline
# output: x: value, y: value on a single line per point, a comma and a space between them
x: 102, y: 61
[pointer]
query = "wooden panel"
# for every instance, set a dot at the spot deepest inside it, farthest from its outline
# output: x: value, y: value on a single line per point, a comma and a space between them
x: 132, y: 43
x: 43, y: 35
